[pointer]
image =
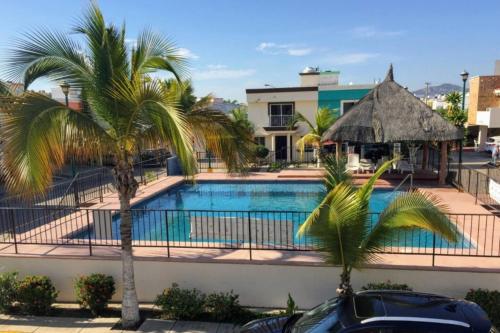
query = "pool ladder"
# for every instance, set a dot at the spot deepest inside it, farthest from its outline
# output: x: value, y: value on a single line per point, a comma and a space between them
x: 409, y: 176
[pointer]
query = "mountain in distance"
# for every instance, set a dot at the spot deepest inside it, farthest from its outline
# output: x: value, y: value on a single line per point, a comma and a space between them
x: 441, y: 89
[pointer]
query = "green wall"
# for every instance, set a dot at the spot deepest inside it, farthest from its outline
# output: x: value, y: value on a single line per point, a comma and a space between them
x: 331, y: 98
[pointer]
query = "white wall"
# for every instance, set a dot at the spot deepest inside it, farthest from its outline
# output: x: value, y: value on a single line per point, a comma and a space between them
x: 257, y: 284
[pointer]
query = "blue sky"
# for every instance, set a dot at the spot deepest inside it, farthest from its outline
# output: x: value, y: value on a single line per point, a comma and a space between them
x: 233, y: 45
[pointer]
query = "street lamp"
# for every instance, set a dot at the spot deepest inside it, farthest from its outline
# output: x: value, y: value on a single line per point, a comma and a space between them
x: 65, y: 89
x: 65, y: 86
x: 465, y: 76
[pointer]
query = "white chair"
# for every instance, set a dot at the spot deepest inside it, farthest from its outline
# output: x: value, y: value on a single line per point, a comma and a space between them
x: 353, y: 162
x: 366, y: 165
x: 405, y: 166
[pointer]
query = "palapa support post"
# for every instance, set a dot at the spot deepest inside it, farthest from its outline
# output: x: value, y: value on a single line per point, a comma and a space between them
x: 338, y: 150
x: 443, y: 163
x: 425, y: 156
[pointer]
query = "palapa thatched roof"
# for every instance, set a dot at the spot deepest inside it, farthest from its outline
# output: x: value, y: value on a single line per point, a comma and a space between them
x: 390, y: 113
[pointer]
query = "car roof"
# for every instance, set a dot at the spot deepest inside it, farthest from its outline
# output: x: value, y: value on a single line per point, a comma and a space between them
x: 378, y: 306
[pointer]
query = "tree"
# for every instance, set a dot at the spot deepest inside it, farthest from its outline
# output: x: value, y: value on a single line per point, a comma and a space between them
x: 229, y: 137
x: 455, y: 114
x: 324, y: 118
x: 341, y: 222
x: 126, y: 107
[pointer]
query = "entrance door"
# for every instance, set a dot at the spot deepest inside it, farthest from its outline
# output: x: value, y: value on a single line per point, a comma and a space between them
x: 280, y: 147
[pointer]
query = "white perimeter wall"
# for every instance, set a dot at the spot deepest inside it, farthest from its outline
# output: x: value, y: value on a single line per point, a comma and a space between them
x: 257, y: 284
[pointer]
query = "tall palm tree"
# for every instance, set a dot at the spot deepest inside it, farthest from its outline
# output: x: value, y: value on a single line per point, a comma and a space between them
x: 324, y: 118
x: 126, y: 107
x: 228, y: 137
x: 342, y: 224
x: 454, y: 113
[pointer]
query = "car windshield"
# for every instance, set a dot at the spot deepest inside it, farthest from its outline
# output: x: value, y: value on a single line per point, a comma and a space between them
x: 322, y: 315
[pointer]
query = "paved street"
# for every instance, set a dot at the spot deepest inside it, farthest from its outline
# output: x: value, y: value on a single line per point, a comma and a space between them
x: 29, y: 324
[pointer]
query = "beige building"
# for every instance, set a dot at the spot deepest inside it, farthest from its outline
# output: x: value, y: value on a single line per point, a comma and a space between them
x: 271, y: 109
x: 484, y: 105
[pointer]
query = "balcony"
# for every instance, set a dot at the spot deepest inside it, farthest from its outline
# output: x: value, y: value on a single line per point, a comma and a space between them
x: 489, y: 118
x: 280, y: 123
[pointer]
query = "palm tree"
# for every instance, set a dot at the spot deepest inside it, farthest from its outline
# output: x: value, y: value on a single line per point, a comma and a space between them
x: 341, y: 223
x: 324, y: 118
x: 228, y: 137
x: 125, y: 107
x: 455, y: 114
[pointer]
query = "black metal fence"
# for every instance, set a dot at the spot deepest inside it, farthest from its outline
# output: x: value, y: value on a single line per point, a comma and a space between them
x: 479, y: 235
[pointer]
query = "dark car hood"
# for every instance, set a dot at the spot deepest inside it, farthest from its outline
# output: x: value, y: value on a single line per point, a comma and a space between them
x: 266, y: 325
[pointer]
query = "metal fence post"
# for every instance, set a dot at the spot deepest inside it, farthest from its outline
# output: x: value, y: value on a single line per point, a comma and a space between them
x: 13, y: 226
x: 101, y: 199
x: 477, y: 185
x: 168, y: 241
x: 433, y: 248
x: 249, y: 235
x: 89, y: 234
x: 141, y: 170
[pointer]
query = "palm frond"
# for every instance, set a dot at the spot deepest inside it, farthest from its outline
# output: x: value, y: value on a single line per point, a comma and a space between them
x: 366, y: 189
x: 154, y: 52
x: 43, y: 53
x: 335, y: 172
x: 410, y: 210
x: 39, y: 132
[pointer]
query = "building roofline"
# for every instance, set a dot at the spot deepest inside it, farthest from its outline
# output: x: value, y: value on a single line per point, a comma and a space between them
x: 309, y: 73
x: 279, y: 90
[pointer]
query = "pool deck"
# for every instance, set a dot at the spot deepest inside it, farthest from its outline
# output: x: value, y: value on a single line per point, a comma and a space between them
x: 457, y: 202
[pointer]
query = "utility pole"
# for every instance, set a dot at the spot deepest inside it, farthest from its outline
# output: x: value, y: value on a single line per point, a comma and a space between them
x: 427, y: 84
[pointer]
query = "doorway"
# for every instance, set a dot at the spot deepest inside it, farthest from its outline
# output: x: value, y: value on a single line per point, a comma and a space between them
x: 280, y: 145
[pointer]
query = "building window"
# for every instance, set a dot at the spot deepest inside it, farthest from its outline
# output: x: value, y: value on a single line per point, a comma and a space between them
x: 345, y: 106
x: 260, y: 140
x: 280, y: 114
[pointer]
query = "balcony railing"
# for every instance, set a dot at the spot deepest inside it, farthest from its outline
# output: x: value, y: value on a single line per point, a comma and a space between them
x: 280, y: 121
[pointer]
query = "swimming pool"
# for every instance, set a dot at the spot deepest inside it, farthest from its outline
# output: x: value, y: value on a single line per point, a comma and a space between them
x: 265, y: 213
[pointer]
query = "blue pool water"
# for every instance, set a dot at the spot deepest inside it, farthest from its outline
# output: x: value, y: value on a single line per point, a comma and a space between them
x: 218, y: 212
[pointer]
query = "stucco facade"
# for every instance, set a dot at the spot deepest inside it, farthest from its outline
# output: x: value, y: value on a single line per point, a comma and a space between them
x: 270, y: 109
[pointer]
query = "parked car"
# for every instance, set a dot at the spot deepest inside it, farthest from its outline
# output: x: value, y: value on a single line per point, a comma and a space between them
x: 382, y: 312
x: 491, y: 142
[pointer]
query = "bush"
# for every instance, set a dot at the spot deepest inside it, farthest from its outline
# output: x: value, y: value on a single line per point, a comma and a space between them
x: 223, y: 306
x: 183, y: 304
x: 261, y: 151
x: 8, y: 290
x: 388, y: 285
x: 93, y: 292
x: 489, y: 300
x: 36, y: 294
x: 291, y: 306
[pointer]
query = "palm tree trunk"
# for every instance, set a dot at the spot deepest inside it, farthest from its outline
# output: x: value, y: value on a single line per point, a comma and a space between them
x: 126, y: 186
x: 345, y: 287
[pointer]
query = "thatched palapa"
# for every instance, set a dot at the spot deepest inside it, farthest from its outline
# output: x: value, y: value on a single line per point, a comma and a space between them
x: 390, y: 113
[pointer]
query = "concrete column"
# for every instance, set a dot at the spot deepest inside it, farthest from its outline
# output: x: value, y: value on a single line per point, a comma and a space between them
x: 273, y: 147
x: 338, y: 150
x: 425, y: 156
x: 443, y: 163
x: 288, y: 145
x: 482, y: 137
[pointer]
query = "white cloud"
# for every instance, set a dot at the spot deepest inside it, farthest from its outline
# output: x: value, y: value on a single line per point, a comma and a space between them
x: 372, y: 32
x: 290, y: 49
x: 132, y: 42
x: 221, y: 72
x: 351, y: 58
x: 187, y: 53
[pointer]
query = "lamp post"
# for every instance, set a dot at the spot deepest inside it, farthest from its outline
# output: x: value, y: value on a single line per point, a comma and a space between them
x: 465, y: 76
x: 65, y: 86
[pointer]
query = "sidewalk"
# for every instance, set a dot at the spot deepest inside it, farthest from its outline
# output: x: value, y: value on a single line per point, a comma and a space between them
x: 29, y: 324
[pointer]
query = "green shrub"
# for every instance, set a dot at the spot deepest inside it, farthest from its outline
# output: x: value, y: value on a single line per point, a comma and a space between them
x: 388, y: 285
x: 93, y: 292
x: 291, y: 306
x: 223, y: 306
x: 8, y: 290
x: 36, y: 294
x: 150, y: 176
x: 261, y: 151
x: 489, y: 300
x: 183, y: 304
